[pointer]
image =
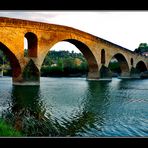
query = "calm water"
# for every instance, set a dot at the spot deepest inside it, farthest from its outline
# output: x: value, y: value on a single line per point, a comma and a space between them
x: 77, y: 107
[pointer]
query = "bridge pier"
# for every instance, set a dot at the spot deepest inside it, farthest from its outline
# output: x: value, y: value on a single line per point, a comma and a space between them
x: 27, y: 83
x: 105, y: 72
x: 96, y: 75
x: 93, y: 75
x: 30, y: 75
x: 134, y: 73
x: 22, y: 82
x: 125, y: 75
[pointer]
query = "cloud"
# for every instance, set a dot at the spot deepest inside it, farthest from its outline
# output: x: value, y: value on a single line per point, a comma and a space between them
x: 125, y: 28
x: 42, y: 16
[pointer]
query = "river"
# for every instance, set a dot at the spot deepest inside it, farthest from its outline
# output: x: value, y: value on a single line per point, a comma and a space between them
x: 75, y: 107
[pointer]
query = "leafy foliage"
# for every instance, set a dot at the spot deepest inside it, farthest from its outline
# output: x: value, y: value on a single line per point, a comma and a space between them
x: 64, y: 63
x: 5, y: 64
x: 143, y: 47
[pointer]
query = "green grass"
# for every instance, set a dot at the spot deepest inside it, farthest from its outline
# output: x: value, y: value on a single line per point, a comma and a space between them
x: 7, y: 130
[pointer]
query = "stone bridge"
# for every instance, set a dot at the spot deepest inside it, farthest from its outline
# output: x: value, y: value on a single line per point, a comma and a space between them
x: 42, y: 36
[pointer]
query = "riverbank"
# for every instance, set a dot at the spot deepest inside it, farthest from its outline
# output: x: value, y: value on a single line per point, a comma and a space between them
x: 7, y: 130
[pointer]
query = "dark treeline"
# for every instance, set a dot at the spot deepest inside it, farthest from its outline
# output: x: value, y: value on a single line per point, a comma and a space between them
x: 5, y: 64
x: 59, y: 64
x: 64, y: 63
x: 143, y: 47
x: 56, y: 63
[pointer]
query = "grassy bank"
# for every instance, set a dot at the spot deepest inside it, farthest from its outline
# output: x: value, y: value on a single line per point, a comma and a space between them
x: 7, y: 130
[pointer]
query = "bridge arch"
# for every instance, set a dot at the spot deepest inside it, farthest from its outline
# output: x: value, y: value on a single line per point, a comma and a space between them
x: 32, y: 41
x: 141, y: 67
x: 122, y: 63
x: 15, y: 65
x: 87, y: 53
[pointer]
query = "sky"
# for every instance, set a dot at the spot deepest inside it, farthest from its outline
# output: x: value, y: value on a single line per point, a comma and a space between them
x: 125, y: 28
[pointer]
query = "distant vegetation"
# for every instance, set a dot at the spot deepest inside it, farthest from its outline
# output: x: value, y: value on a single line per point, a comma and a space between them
x: 5, y: 64
x: 143, y: 47
x: 64, y: 63
x: 114, y: 66
x: 56, y: 63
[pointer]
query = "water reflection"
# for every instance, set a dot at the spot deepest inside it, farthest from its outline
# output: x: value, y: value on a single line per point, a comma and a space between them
x: 76, y: 107
x: 90, y: 116
x: 96, y: 103
x: 27, y: 112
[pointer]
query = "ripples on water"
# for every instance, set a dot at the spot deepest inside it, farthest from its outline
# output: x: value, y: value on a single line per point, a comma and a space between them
x: 77, y: 107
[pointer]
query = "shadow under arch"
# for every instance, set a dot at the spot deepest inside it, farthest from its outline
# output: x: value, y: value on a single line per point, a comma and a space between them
x: 141, y: 67
x: 124, y: 67
x: 16, y: 68
x: 91, y: 60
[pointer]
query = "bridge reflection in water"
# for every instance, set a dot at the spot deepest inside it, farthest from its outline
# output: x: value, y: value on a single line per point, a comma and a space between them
x: 28, y: 113
x: 76, y: 107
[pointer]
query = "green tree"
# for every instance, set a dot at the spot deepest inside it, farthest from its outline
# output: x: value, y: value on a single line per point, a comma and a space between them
x: 60, y: 64
x: 143, y: 47
x: 63, y: 63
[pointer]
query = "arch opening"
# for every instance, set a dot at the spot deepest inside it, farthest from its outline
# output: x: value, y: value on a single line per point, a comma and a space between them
x: 141, y: 67
x: 102, y: 56
x: 119, y: 66
x: 30, y: 45
x: 92, y: 63
x: 12, y: 62
x: 5, y: 67
x: 141, y: 70
x: 132, y: 61
x: 83, y: 60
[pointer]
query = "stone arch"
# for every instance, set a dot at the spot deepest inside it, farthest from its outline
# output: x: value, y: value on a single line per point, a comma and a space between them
x: 123, y: 64
x: 93, y: 70
x: 141, y: 67
x: 32, y: 45
x: 102, y: 56
x: 15, y: 65
x: 87, y: 53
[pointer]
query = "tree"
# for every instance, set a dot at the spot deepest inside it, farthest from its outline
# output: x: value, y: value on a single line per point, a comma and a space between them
x: 64, y: 63
x: 143, y: 47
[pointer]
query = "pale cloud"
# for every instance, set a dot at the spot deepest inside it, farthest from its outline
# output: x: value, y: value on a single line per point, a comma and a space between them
x: 125, y: 28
